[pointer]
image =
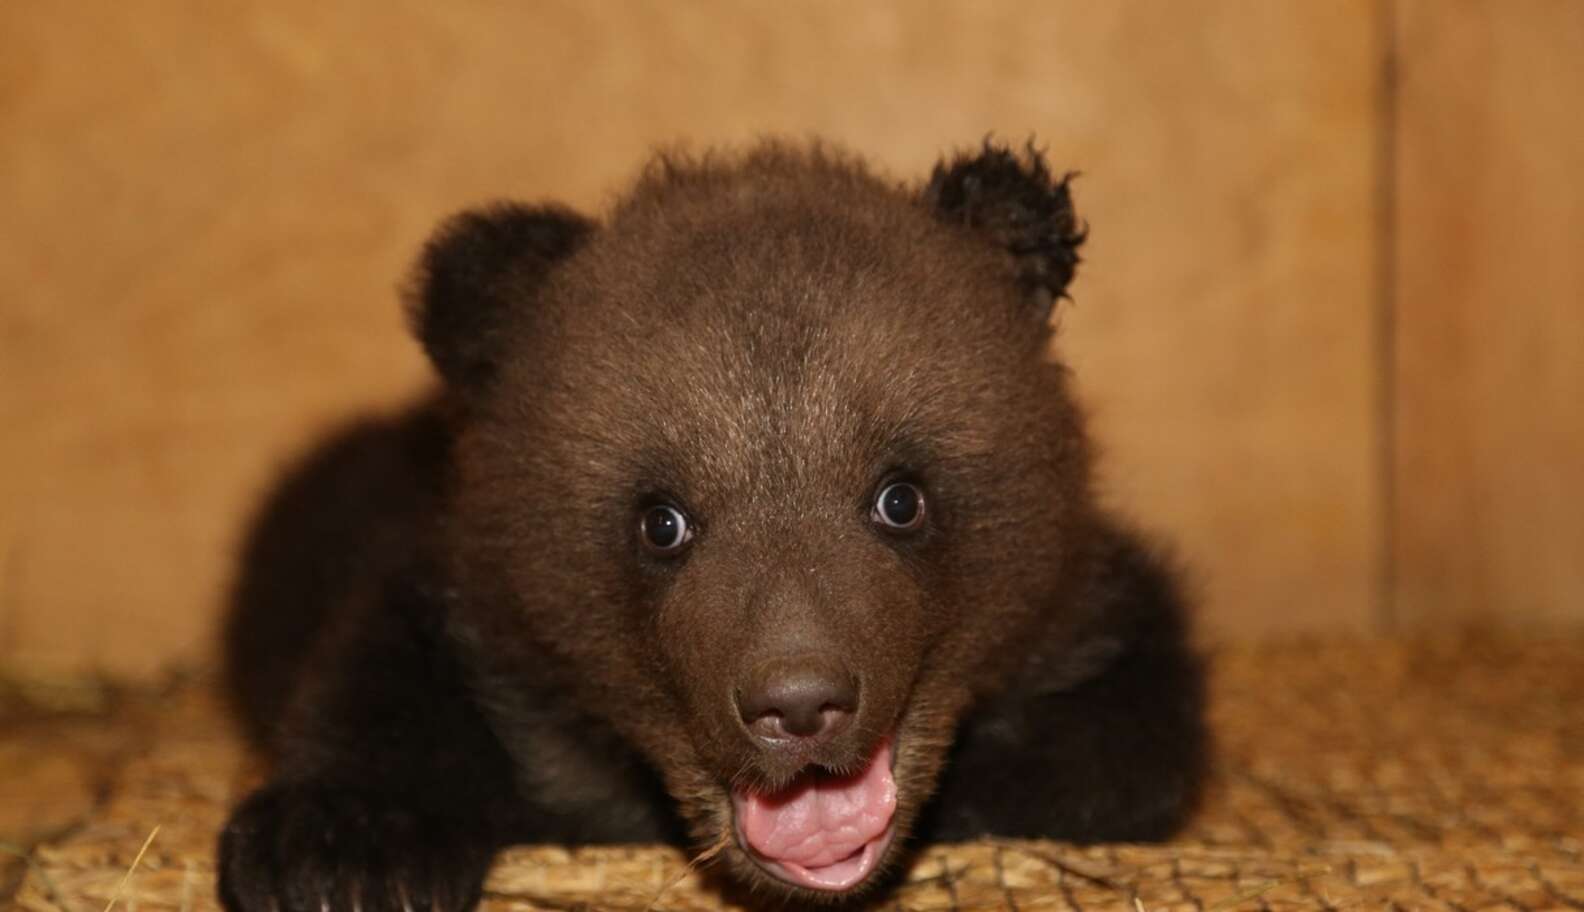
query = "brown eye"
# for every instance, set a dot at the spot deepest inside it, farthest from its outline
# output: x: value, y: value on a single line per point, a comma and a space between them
x: 899, y: 506
x: 665, y: 529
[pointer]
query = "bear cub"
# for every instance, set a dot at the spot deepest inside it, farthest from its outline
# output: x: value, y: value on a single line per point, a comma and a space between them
x: 755, y: 514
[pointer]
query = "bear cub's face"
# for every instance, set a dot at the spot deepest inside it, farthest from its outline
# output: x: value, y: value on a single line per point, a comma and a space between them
x: 771, y: 470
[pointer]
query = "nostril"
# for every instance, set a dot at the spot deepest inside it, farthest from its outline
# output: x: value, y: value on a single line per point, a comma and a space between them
x: 766, y: 726
x: 797, y: 698
x: 826, y: 721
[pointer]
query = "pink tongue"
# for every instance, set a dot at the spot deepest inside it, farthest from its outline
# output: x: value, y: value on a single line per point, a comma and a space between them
x: 821, y: 820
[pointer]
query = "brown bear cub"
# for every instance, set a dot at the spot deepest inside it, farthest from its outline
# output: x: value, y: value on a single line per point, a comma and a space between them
x: 756, y: 513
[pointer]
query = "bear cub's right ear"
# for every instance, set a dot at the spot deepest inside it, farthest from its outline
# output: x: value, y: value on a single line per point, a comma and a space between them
x: 478, y: 267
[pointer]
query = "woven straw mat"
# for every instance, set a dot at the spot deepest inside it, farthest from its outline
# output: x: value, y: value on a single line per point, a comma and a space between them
x: 1444, y: 774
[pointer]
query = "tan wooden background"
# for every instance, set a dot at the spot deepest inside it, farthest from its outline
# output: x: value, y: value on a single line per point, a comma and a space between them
x: 1331, y: 325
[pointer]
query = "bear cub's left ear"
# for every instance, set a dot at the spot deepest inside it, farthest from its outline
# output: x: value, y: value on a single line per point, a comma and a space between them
x: 1015, y: 203
x: 480, y: 268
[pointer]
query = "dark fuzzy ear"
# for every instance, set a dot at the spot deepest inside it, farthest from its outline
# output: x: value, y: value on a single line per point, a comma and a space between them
x: 1015, y: 203
x: 478, y: 267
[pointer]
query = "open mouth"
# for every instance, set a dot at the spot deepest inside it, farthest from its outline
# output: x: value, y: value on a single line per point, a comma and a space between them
x: 823, y: 831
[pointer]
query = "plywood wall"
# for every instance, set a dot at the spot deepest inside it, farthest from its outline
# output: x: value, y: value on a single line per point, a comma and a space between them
x: 1489, y: 372
x: 206, y: 208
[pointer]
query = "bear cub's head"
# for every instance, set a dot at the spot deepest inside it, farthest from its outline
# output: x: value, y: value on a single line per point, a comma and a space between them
x: 771, y: 470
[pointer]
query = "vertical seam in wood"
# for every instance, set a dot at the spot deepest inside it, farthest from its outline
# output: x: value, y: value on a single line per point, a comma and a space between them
x: 1385, y: 310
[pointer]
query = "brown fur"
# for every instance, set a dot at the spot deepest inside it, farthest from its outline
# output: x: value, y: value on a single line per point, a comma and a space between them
x: 764, y: 339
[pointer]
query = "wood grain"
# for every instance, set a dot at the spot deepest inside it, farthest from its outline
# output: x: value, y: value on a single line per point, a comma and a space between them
x: 206, y: 207
x: 1489, y: 475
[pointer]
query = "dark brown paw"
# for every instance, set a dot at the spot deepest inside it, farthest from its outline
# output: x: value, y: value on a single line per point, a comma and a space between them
x: 312, y: 848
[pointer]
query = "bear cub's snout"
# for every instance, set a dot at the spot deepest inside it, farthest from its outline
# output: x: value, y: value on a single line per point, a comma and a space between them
x: 798, y: 699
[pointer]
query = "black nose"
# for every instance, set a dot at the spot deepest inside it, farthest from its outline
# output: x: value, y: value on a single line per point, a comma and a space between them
x: 800, y: 697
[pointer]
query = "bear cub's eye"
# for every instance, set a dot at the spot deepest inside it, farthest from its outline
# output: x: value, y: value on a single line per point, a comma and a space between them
x: 899, y: 507
x: 665, y: 529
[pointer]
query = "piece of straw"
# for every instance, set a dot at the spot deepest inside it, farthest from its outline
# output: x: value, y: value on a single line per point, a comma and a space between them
x: 1237, y: 899
x: 127, y: 877
x: 704, y: 858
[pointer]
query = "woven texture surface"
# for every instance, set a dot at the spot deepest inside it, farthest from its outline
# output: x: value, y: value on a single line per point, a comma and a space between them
x: 1442, y: 774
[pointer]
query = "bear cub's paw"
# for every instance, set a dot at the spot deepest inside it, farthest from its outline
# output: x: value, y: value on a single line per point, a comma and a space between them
x: 306, y: 848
